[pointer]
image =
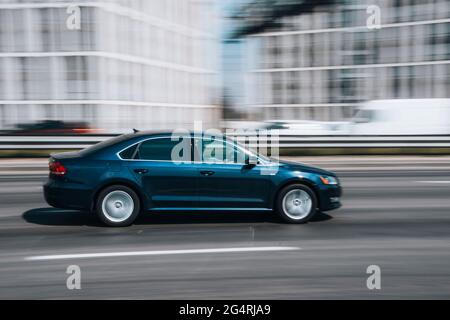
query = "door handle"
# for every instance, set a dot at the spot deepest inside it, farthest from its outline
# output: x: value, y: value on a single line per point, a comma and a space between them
x: 207, y: 173
x: 141, y: 171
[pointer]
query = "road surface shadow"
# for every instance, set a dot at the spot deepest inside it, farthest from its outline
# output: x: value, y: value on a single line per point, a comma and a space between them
x: 58, y: 217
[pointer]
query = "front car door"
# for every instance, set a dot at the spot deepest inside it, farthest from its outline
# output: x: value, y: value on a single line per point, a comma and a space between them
x: 224, y: 180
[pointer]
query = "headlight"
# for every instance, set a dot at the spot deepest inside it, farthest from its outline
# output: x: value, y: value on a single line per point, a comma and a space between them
x: 329, y: 180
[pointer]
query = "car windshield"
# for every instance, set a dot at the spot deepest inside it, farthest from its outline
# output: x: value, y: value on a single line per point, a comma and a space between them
x: 364, y: 116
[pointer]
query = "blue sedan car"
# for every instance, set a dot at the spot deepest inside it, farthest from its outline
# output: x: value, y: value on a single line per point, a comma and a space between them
x: 157, y: 171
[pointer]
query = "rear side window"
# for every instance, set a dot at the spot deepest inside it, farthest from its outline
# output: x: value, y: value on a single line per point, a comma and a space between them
x: 129, y: 153
x: 162, y: 149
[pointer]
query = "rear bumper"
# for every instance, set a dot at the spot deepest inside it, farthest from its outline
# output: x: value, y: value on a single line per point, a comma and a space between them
x: 58, y: 195
x: 330, y: 198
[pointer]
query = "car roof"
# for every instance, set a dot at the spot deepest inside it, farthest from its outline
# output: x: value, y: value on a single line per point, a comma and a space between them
x: 113, y: 146
x: 150, y: 133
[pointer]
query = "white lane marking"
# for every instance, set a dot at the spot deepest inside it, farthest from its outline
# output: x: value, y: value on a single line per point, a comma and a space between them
x: 437, y: 182
x: 155, y: 253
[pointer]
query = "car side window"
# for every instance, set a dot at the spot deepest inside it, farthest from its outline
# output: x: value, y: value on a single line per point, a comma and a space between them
x: 161, y: 149
x: 129, y: 153
x: 219, y: 151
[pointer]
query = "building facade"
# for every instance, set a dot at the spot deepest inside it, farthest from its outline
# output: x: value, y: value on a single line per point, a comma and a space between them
x: 148, y: 64
x: 320, y: 65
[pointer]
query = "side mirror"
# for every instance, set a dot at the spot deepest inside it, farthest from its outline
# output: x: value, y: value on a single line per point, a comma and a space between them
x: 251, y: 161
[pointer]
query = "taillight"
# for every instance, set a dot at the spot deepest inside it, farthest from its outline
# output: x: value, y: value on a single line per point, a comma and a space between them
x: 56, y: 168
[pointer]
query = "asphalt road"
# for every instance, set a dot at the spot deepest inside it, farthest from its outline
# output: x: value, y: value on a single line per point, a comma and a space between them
x: 394, y: 216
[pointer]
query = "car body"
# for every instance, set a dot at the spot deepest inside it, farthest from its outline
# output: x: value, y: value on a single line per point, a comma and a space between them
x: 211, y: 174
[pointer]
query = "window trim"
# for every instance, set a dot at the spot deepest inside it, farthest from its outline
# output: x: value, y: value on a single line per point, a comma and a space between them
x: 191, y: 138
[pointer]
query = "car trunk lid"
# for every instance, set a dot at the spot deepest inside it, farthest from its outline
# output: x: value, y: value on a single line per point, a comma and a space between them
x: 66, y: 155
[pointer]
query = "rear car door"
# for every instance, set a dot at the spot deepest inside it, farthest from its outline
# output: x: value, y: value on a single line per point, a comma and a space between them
x: 167, y: 182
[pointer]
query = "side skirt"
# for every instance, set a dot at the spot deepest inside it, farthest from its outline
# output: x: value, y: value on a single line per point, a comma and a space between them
x: 212, y: 209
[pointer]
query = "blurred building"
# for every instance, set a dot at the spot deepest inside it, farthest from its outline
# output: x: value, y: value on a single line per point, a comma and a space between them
x: 317, y: 59
x: 132, y: 64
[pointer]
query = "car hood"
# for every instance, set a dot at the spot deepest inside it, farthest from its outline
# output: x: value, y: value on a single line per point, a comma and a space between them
x: 297, y: 166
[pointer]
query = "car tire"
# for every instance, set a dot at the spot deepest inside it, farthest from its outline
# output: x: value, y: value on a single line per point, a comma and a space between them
x: 296, y: 204
x: 117, y: 206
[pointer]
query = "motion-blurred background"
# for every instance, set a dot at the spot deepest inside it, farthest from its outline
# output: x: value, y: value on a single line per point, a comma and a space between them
x: 305, y: 63
x: 304, y: 67
x: 130, y: 64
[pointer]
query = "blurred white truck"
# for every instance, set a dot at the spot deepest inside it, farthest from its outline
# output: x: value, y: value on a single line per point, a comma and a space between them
x: 402, y: 117
x: 377, y: 117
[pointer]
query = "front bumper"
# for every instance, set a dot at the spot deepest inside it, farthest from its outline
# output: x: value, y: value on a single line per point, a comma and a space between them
x: 330, y: 198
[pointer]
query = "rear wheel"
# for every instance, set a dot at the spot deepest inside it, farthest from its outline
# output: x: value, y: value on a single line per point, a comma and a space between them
x: 296, y: 203
x: 117, y: 206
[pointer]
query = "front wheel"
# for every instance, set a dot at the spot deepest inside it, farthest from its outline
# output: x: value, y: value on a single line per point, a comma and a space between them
x: 296, y: 204
x: 117, y: 206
